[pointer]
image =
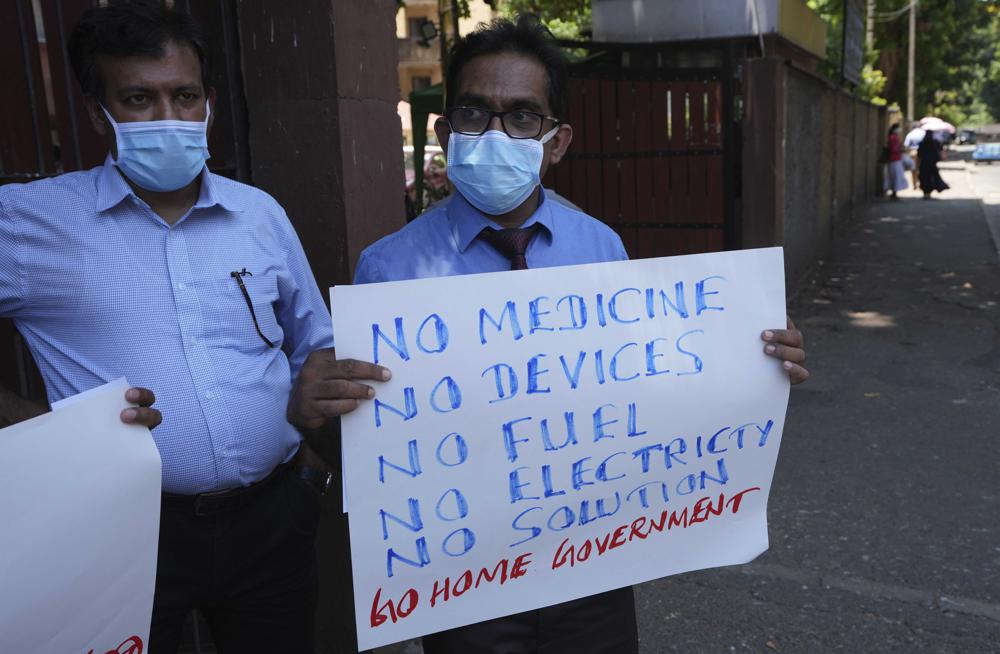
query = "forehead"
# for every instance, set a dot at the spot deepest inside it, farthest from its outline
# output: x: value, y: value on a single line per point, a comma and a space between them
x: 504, y: 79
x: 179, y: 66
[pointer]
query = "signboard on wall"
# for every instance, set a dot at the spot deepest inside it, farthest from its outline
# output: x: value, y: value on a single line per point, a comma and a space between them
x: 853, y: 58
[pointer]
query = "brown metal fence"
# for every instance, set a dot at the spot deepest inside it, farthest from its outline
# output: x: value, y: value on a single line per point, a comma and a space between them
x: 654, y: 146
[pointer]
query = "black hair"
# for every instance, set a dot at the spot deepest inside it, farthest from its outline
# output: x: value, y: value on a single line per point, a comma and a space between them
x: 526, y: 36
x: 130, y: 28
x: 892, y: 127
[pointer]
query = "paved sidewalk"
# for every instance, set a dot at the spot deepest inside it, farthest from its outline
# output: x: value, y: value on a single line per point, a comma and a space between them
x: 885, y: 511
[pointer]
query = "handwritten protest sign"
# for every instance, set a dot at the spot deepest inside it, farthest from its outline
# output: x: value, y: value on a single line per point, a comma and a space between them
x: 554, y: 433
x: 79, y: 523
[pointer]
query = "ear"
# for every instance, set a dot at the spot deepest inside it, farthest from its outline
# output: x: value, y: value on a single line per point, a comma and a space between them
x: 443, y: 130
x: 560, y: 143
x: 211, y: 103
x: 97, y: 118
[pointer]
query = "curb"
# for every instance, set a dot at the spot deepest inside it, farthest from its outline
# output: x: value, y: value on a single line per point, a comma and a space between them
x: 991, y: 212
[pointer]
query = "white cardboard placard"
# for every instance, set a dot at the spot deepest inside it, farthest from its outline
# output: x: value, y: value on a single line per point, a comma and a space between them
x: 554, y: 433
x: 79, y: 525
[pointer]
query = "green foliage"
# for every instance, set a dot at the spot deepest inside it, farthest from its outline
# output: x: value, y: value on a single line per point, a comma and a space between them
x: 872, y: 84
x: 566, y: 19
x: 957, y: 52
x: 832, y: 13
x: 991, y: 83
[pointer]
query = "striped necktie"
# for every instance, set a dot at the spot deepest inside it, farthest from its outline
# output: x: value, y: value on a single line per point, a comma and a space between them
x: 512, y: 243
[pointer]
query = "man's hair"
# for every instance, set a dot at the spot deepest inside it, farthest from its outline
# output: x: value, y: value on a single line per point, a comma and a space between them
x: 130, y: 28
x: 527, y: 36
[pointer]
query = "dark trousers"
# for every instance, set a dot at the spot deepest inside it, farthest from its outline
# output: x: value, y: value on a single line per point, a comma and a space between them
x: 250, y: 571
x: 599, y: 624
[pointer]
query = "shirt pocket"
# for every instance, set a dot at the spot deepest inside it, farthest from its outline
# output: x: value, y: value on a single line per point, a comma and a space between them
x: 229, y: 321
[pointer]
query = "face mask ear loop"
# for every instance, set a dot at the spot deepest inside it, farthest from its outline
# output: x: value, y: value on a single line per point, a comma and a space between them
x: 114, y: 126
x: 549, y: 134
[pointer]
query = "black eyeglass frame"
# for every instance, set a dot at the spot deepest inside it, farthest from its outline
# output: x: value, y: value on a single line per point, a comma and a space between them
x: 501, y: 115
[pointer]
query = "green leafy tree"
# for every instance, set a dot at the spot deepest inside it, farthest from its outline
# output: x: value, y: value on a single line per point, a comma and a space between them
x: 991, y: 83
x: 957, y: 75
x: 566, y: 19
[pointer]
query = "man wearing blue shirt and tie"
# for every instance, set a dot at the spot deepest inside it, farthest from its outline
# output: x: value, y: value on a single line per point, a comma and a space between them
x: 504, y: 125
x: 194, y: 286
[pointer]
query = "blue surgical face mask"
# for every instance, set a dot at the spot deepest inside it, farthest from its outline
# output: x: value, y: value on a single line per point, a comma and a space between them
x: 161, y: 155
x: 493, y: 171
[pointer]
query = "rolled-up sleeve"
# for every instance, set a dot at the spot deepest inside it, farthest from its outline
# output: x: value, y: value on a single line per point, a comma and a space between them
x: 301, y: 310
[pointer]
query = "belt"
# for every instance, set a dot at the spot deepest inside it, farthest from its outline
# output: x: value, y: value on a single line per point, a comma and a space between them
x: 222, y: 501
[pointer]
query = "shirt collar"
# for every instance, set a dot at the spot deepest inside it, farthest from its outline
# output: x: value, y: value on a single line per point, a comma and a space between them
x: 112, y: 189
x: 467, y: 222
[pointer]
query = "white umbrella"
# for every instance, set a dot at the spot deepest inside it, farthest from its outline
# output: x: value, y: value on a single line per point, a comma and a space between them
x: 935, y: 124
x: 914, y: 138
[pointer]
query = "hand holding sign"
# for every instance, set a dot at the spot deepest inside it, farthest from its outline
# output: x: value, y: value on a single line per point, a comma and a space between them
x: 328, y: 387
x: 788, y: 346
x: 144, y: 414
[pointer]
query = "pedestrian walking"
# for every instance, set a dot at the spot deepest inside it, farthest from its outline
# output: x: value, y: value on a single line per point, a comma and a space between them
x: 930, y: 154
x: 895, y: 174
x: 910, y: 144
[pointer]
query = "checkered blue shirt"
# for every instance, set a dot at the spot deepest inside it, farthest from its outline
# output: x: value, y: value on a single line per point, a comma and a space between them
x: 101, y: 288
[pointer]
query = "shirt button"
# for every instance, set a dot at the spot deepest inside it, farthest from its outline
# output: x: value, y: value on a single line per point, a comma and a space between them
x: 193, y: 342
x: 209, y: 395
x: 182, y: 286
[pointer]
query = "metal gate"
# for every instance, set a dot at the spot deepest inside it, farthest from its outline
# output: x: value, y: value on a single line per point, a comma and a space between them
x: 655, y: 145
x: 45, y: 129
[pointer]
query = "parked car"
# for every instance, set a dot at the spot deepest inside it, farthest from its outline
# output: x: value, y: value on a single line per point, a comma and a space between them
x: 988, y: 152
x: 966, y: 136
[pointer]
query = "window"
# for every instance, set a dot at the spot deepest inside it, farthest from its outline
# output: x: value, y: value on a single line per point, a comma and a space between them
x: 413, y: 28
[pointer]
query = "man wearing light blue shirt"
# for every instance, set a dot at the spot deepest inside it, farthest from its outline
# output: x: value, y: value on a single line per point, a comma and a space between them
x: 446, y: 241
x: 196, y: 287
x: 504, y: 125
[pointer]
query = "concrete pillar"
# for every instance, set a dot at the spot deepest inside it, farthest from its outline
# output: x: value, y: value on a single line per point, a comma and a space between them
x: 764, y: 152
x: 324, y: 138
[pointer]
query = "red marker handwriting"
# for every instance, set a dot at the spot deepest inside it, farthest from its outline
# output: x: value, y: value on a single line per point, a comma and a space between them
x: 132, y: 645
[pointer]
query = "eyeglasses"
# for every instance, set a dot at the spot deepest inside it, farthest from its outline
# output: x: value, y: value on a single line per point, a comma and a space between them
x: 519, y: 124
x: 238, y: 276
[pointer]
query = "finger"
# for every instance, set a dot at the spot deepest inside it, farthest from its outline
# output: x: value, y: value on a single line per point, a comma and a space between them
x: 354, y: 369
x: 140, y: 396
x: 142, y: 416
x: 792, y: 337
x: 785, y: 353
x: 339, y: 389
x: 796, y: 373
x: 334, y: 408
x: 320, y: 412
x: 349, y: 368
